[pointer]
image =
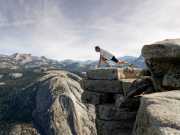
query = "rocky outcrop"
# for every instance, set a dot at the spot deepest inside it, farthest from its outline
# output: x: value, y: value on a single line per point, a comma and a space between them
x: 50, y: 106
x: 159, y: 114
x: 163, y: 60
x: 59, y: 110
x: 107, y: 89
x: 169, y: 48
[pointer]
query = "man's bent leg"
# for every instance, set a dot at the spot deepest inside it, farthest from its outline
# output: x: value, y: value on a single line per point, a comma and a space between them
x: 114, y: 59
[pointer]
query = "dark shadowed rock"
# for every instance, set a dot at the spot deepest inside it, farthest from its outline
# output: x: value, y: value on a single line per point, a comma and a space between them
x: 96, y: 98
x: 111, y: 112
x: 114, y: 127
x: 106, y: 86
x: 140, y: 86
x: 163, y: 60
x: 172, y: 78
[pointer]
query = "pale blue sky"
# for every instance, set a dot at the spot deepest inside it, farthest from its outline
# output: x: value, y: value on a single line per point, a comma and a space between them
x: 69, y: 29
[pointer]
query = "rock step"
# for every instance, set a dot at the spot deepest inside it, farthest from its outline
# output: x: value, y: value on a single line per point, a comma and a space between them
x: 96, y: 98
x: 105, y: 86
x: 112, y: 113
x: 113, y: 73
x: 108, y: 86
x: 114, y: 127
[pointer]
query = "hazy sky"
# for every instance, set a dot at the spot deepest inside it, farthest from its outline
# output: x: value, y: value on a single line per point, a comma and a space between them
x: 69, y: 29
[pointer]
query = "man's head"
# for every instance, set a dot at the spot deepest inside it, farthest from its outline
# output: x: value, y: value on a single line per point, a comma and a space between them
x: 97, y: 49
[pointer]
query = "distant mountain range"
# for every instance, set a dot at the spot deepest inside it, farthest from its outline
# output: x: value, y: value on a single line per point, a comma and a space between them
x: 38, y: 64
x: 136, y: 61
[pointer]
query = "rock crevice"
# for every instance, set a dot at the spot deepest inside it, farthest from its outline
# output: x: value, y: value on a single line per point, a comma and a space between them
x: 107, y: 89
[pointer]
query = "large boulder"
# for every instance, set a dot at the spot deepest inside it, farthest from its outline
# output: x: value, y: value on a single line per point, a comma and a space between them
x: 59, y: 110
x: 169, y: 48
x: 159, y: 114
x: 163, y: 60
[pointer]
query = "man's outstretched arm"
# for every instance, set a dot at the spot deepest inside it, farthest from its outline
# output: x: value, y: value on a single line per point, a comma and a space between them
x: 99, y: 63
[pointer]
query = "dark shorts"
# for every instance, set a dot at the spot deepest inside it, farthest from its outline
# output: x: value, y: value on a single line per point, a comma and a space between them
x: 114, y: 59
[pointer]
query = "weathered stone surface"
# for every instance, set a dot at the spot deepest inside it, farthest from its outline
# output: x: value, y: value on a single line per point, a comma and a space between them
x: 172, y: 78
x: 169, y: 48
x: 59, y: 109
x: 106, y: 86
x: 114, y: 127
x: 159, y: 114
x: 113, y: 73
x: 158, y: 70
x: 96, y: 98
x: 111, y: 112
x: 17, y: 129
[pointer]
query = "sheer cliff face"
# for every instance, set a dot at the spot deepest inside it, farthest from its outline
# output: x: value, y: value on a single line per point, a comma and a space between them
x: 51, y: 105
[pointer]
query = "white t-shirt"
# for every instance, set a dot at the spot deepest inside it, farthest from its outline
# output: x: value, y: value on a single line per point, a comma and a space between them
x: 106, y: 54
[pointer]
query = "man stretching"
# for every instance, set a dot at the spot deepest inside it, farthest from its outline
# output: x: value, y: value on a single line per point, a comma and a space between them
x: 105, y: 56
